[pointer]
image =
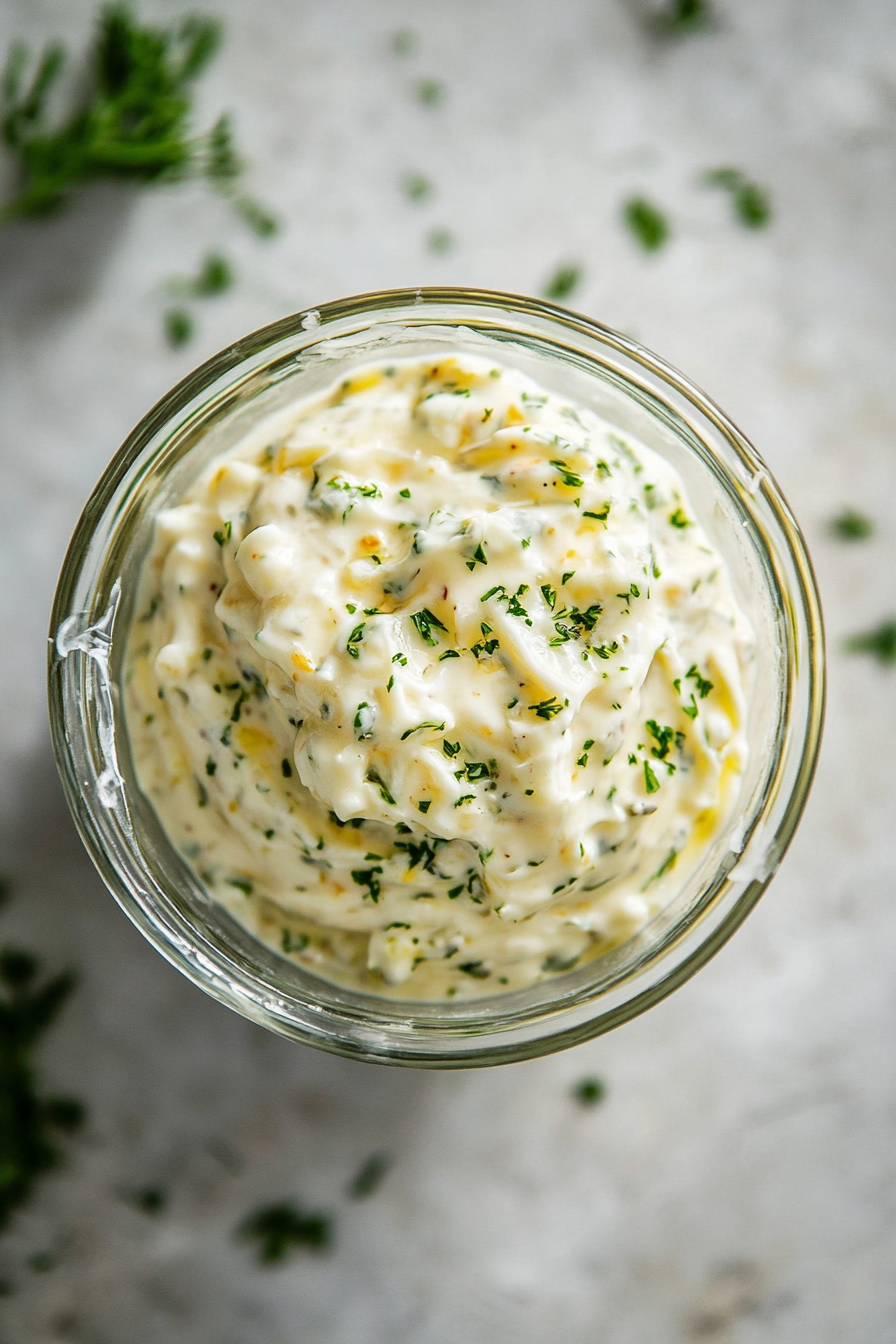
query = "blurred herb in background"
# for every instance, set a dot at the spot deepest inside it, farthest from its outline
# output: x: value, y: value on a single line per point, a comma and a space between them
x: 751, y: 203
x: 417, y: 187
x: 850, y: 525
x: 681, y: 16
x: 880, y: 643
x: 646, y: 223
x: 431, y: 91
x: 215, y: 276
x: 589, y: 1091
x: 404, y: 42
x: 439, y: 240
x: 132, y: 121
x: 179, y: 327
x: 369, y: 1175
x: 565, y: 280
x: 29, y: 1123
x: 280, y: 1228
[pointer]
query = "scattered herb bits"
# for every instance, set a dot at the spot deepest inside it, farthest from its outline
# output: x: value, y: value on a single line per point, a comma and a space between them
x: 879, y: 643
x: 277, y: 1230
x: 646, y: 223
x: 564, y: 282
x: 369, y: 1176
x: 179, y: 327
x: 751, y: 203
x: 431, y: 92
x: 589, y: 1091
x: 850, y: 525
x: 440, y: 240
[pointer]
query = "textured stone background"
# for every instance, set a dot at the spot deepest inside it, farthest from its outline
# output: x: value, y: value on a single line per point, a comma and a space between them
x: 739, y: 1182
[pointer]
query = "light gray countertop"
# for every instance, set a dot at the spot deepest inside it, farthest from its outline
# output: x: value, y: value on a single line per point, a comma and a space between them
x: 738, y: 1184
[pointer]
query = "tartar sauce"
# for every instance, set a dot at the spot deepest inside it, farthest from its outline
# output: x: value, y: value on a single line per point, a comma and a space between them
x: 437, y: 683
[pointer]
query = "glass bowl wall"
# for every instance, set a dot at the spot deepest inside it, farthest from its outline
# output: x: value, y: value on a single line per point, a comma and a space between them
x: 741, y: 509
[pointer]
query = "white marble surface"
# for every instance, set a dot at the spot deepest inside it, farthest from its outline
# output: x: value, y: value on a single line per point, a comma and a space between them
x: 739, y: 1182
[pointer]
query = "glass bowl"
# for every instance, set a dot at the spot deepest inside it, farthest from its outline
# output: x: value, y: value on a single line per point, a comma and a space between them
x: 737, y: 502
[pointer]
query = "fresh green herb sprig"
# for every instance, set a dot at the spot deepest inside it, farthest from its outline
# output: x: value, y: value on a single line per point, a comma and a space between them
x: 880, y: 643
x: 647, y: 224
x: 132, y: 122
x: 751, y: 203
x: 279, y: 1229
x: 29, y: 1123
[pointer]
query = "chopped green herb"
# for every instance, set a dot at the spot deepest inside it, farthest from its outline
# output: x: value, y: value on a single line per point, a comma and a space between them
x: 880, y: 643
x: 546, y: 709
x: 430, y: 91
x: 703, y: 686
x: 285, y: 768
x: 211, y: 765
x: 354, y: 639
x: 691, y: 710
x: 424, y: 621
x: 568, y: 575
x: 601, y: 514
x: 371, y: 1173
x: 449, y: 653
x: 750, y: 202
x: 450, y: 749
x: 852, y: 526
x: 681, y: 16
x: 478, y: 558
x: 589, y: 1091
x: 242, y: 884
x: 405, y: 494
x: 487, y: 413
x: 651, y: 783
x: 565, y: 280
x: 549, y: 594
x: 369, y: 878
x: 475, y: 968
x: 665, y: 737
x: 567, y: 476
x: 417, y: 187
x: 391, y: 682
x: 465, y: 798
x: 150, y: 1200
x: 365, y: 716
x: 278, y: 1229
x: 373, y: 777
x: 404, y: 42
x: 179, y: 327
x: 439, y: 727
x: 424, y: 805
x: 224, y: 535
x: 679, y: 518
x: 215, y: 277
x: 664, y: 868
x: 646, y: 222
x: 440, y: 240
x: 605, y: 650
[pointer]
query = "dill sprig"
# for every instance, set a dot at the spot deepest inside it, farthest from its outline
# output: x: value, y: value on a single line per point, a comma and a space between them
x: 132, y: 122
x: 29, y: 1122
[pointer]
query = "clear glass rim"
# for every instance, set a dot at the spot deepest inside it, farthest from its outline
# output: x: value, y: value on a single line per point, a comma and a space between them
x: 368, y: 1030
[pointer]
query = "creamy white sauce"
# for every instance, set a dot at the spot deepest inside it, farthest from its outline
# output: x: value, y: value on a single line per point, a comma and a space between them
x: 440, y: 689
